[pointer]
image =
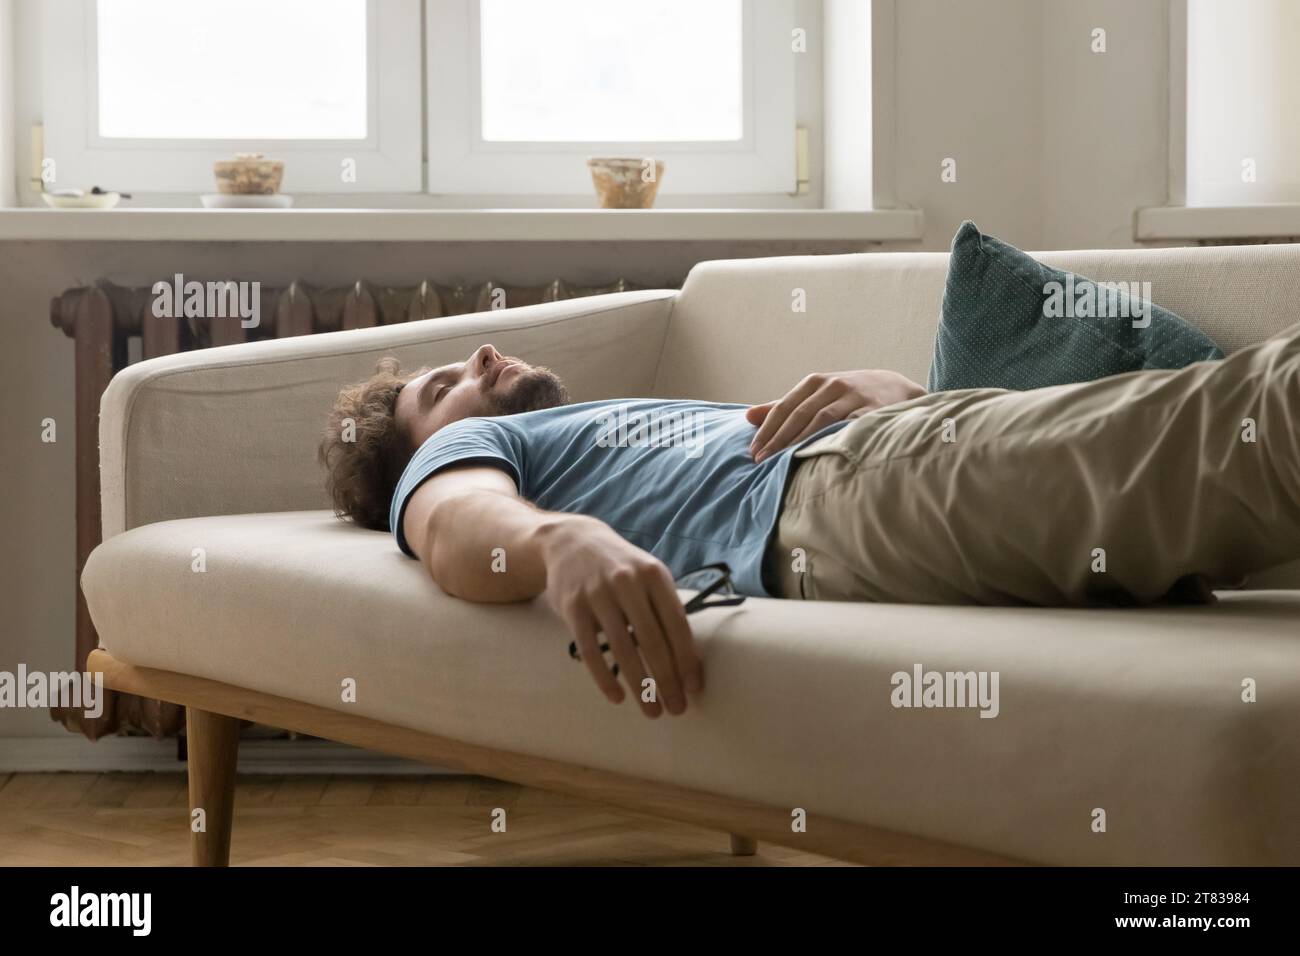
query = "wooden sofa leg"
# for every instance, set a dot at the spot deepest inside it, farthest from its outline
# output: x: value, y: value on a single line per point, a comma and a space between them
x: 213, y: 747
x: 743, y: 846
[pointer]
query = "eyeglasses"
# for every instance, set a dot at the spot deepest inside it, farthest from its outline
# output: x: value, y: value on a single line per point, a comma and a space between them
x: 712, y: 584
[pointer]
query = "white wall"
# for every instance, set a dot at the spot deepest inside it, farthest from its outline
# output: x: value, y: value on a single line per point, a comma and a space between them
x: 8, y: 75
x: 1105, y: 129
x: 28, y: 88
x: 1055, y: 145
x: 968, y: 78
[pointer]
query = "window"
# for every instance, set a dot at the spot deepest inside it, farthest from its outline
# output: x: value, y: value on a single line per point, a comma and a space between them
x: 465, y: 99
x: 570, y: 72
x: 1242, y: 89
x: 319, y: 79
x: 521, y: 93
x: 144, y: 95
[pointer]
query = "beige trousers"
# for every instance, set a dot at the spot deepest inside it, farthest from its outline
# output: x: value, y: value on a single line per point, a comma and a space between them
x: 1128, y: 490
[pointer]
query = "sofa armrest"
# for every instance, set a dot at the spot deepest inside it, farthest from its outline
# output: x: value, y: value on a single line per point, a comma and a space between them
x: 235, y: 429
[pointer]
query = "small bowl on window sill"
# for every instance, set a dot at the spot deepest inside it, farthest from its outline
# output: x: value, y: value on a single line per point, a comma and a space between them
x: 248, y: 174
x: 624, y: 182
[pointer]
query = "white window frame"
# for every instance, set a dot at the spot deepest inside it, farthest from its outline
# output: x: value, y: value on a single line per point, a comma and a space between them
x: 1184, y: 172
x: 388, y: 160
x: 461, y: 162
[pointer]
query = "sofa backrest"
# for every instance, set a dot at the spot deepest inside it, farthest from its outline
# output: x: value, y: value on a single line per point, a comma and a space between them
x: 735, y: 335
x: 234, y: 429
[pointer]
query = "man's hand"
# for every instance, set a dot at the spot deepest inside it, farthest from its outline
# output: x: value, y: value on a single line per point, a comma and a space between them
x: 598, y: 582
x: 822, y: 399
x: 593, y: 578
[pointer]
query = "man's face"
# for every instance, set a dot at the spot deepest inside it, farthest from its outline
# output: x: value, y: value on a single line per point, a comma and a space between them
x: 485, y: 384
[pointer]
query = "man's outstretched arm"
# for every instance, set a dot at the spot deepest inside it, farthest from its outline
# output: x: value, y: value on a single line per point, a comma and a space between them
x: 593, y: 578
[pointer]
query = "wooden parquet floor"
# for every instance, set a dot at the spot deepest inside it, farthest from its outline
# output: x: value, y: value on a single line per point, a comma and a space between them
x: 141, y: 819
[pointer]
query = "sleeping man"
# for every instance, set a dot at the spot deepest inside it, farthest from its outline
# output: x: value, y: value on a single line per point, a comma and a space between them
x: 855, y: 486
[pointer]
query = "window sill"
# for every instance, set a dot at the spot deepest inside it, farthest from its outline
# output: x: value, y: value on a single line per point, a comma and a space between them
x: 446, y: 225
x: 1158, y: 223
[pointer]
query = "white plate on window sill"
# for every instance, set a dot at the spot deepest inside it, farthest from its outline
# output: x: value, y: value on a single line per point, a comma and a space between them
x: 235, y: 201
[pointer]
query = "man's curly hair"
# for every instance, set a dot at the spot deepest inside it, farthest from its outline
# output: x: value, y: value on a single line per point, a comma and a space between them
x: 363, y: 451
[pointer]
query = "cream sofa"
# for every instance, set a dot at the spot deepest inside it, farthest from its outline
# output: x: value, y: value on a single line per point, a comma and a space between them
x: 1135, y: 712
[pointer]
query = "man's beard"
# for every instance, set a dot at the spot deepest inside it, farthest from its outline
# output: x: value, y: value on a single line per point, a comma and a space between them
x: 535, y: 388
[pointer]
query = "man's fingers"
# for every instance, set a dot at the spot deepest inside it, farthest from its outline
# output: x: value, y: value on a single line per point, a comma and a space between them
x: 584, y: 628
x: 794, y: 424
x: 672, y: 617
x: 632, y: 596
x: 824, y: 407
x: 756, y: 413
x: 614, y: 625
x: 819, y: 419
x: 780, y: 411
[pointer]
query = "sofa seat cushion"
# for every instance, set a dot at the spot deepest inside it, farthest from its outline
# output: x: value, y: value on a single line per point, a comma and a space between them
x: 1135, y: 712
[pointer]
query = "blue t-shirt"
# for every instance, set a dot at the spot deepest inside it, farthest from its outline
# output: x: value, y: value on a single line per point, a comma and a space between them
x: 672, y: 477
